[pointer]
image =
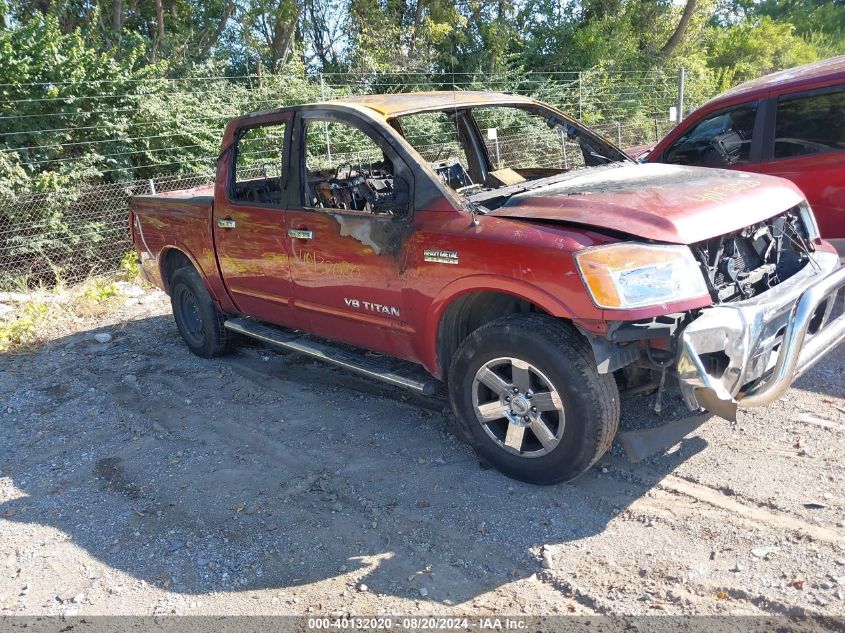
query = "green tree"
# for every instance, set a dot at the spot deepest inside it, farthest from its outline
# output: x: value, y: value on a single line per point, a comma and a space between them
x: 756, y: 47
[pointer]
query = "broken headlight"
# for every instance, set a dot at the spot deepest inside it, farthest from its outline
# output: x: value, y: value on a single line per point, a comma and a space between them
x: 630, y: 275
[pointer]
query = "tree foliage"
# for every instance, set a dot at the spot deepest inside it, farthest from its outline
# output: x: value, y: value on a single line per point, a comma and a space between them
x: 109, y: 90
x: 100, y: 95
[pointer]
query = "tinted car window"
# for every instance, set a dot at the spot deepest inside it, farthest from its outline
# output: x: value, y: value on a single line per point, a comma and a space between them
x: 719, y: 140
x: 810, y: 124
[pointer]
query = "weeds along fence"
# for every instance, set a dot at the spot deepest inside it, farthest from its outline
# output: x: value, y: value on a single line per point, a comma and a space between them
x: 73, y: 153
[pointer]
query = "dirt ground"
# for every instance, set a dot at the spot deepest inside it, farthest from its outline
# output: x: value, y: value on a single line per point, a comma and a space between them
x: 139, y: 479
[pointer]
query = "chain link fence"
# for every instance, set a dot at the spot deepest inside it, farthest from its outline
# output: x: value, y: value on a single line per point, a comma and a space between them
x: 69, y: 232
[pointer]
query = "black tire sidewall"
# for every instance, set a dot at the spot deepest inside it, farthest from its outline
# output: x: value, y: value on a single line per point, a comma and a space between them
x: 576, y: 449
x: 211, y: 345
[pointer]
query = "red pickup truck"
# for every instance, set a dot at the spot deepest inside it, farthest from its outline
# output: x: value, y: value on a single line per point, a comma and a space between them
x: 507, y: 250
x: 789, y: 124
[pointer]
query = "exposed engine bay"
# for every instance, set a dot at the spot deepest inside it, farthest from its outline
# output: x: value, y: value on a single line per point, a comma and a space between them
x: 736, y: 266
x: 745, y: 263
x: 367, y: 188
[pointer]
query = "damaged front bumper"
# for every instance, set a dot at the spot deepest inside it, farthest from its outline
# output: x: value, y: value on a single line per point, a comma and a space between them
x: 748, y: 353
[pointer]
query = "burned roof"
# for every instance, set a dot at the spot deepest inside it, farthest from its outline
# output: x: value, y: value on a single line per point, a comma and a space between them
x: 398, y: 104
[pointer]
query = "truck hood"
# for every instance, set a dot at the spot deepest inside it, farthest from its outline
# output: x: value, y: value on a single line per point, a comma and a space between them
x: 665, y: 203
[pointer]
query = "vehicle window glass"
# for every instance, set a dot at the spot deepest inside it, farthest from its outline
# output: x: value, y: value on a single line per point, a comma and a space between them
x: 259, y: 164
x: 718, y: 141
x: 346, y: 169
x: 810, y: 124
x: 522, y: 141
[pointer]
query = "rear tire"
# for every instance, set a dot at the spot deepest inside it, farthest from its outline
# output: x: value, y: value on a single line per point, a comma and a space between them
x: 199, y: 321
x: 527, y: 393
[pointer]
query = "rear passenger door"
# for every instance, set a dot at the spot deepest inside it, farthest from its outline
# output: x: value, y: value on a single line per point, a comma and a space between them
x: 249, y: 219
x: 805, y: 142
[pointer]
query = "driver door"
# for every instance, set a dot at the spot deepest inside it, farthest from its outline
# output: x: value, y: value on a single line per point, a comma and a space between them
x: 346, y: 251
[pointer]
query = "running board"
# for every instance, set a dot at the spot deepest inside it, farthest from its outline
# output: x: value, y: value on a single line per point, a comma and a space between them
x: 329, y: 354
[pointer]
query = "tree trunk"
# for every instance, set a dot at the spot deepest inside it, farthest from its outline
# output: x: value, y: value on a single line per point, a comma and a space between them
x: 418, y: 13
x: 116, y: 18
x: 497, y: 47
x: 228, y: 8
x: 284, y: 27
x: 678, y: 35
x: 318, y: 28
x: 159, y: 19
x: 159, y: 30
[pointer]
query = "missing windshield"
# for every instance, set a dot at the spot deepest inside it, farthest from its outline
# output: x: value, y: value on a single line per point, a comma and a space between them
x: 493, y: 148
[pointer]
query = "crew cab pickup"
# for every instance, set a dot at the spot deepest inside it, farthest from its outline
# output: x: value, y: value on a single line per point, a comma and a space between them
x: 506, y: 250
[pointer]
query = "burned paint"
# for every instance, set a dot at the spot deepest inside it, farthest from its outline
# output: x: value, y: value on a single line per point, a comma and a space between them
x: 381, y: 234
x: 665, y: 203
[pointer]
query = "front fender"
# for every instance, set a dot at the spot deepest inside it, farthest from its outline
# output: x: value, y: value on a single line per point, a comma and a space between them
x: 483, y: 283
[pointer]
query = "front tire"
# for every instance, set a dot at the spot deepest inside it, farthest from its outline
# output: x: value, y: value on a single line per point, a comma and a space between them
x: 527, y: 393
x: 199, y: 321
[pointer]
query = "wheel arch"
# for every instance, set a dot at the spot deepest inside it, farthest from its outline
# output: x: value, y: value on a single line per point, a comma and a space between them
x: 469, y: 303
x: 171, y: 259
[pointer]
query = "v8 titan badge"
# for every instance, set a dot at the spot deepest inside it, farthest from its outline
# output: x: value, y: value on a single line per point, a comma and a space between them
x: 369, y: 306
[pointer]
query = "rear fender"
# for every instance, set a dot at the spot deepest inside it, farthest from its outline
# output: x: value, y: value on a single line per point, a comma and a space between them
x: 211, y: 278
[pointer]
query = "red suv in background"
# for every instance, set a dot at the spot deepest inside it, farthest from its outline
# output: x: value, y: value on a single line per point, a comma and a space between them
x: 789, y: 124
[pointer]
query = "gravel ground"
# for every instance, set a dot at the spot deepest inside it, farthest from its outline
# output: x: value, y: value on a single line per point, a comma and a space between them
x: 139, y: 479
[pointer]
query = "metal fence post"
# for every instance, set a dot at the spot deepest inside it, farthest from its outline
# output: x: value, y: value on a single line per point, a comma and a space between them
x: 563, y: 145
x: 580, y: 97
x: 618, y: 134
x: 682, y: 79
x: 325, y: 125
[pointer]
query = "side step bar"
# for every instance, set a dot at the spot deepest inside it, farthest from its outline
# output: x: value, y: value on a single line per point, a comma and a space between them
x: 326, y: 353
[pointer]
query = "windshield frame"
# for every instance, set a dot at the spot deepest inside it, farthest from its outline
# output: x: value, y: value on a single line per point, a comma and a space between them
x: 472, y: 141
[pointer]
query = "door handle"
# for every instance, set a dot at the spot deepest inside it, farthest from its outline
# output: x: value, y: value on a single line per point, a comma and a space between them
x: 300, y: 234
x: 226, y: 223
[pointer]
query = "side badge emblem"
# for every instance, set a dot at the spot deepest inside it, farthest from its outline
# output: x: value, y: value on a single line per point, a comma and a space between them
x: 440, y: 257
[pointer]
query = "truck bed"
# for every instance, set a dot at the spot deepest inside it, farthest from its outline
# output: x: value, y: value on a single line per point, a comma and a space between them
x: 180, y: 219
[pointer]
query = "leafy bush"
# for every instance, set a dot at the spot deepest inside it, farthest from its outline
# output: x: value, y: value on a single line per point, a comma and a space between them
x: 22, y: 330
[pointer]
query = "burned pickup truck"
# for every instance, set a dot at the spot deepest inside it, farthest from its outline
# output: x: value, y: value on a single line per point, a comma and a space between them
x: 508, y: 251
